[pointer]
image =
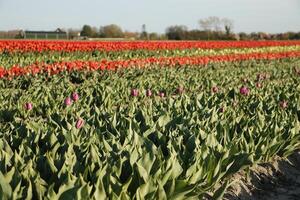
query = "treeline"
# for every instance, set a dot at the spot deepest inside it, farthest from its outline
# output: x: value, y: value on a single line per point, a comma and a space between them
x: 115, y: 31
x: 211, y: 28
x: 182, y: 33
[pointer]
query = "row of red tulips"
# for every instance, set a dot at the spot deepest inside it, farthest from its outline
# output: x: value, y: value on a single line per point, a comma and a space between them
x: 58, y: 67
x: 69, y: 46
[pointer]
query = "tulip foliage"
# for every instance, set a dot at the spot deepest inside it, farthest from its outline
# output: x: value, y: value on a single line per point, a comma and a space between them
x: 150, y: 130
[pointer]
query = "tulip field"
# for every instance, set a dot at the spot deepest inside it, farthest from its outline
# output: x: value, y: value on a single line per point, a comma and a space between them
x: 142, y: 120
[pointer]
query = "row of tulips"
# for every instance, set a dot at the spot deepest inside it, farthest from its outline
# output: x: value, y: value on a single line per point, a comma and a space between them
x: 70, y: 46
x: 58, y: 67
x: 25, y: 59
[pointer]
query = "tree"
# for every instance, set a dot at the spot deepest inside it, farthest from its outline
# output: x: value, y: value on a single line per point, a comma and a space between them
x: 211, y: 24
x: 176, y: 32
x: 216, y: 24
x: 111, y: 31
x: 87, y: 31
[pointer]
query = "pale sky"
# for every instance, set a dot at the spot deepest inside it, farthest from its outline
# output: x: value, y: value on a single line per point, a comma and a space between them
x: 248, y: 15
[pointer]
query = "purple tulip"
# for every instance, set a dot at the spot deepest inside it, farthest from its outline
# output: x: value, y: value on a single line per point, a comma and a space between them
x: 215, y: 89
x: 134, y: 92
x: 244, y: 91
x: 68, y: 101
x: 161, y: 94
x: 79, y: 123
x: 28, y: 106
x: 283, y: 104
x: 148, y: 93
x: 180, y: 90
x: 75, y: 96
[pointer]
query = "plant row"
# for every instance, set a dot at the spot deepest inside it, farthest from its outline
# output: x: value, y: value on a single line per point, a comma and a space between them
x: 69, y: 46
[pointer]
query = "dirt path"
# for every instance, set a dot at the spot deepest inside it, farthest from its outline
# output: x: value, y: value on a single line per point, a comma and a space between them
x: 277, y: 180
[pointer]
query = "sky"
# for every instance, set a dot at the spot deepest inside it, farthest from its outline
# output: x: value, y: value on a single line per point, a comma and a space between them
x: 271, y: 16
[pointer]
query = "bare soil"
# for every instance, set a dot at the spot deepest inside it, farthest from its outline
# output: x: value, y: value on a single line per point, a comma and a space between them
x: 276, y: 180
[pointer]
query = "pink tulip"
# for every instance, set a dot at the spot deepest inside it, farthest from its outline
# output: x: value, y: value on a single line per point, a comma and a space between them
x: 75, y: 96
x: 148, y: 93
x: 244, y: 91
x: 283, y: 104
x: 68, y: 101
x: 79, y: 123
x: 28, y: 106
x: 134, y: 92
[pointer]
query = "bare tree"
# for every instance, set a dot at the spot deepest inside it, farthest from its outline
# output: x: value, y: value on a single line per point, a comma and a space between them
x: 216, y: 24
x: 211, y: 23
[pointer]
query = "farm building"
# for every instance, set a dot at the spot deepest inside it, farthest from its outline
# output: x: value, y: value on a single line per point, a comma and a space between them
x: 57, y: 34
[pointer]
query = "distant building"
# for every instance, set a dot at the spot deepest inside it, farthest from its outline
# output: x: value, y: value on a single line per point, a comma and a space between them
x: 57, y: 34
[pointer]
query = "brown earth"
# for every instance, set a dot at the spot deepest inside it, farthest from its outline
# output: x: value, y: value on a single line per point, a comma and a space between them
x: 276, y: 180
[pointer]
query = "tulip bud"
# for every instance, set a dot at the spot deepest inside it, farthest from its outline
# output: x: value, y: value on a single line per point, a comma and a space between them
x: 179, y: 90
x: 28, y: 106
x: 258, y: 85
x: 222, y: 109
x: 75, y: 96
x: 134, y: 92
x: 79, y: 123
x: 148, y: 93
x: 215, y: 89
x: 283, y: 104
x: 161, y: 94
x: 68, y: 101
x: 244, y: 90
